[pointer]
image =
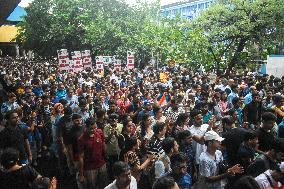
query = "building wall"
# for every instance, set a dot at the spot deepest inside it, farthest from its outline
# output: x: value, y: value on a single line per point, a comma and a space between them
x: 186, y: 10
x: 8, y: 33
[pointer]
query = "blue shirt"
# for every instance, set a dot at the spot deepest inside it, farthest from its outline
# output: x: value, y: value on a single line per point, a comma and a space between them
x: 184, y: 182
x: 231, y: 96
x: 248, y: 99
x: 61, y: 94
x: 37, y: 91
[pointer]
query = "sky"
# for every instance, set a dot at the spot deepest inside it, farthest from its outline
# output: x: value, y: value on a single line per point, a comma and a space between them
x: 25, y: 3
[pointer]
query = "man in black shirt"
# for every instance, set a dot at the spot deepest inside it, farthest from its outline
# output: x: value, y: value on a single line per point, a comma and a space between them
x: 63, y: 127
x: 233, y: 139
x: 246, y: 152
x: 264, y: 134
x: 13, y: 136
x: 15, y: 176
x: 252, y: 111
x: 72, y: 142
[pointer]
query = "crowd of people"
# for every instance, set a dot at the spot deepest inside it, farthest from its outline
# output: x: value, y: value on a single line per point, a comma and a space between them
x: 133, y: 129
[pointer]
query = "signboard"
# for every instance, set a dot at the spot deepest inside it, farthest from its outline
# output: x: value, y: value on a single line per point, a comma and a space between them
x: 86, y: 59
x: 107, y: 60
x: 275, y: 65
x: 130, y: 60
x: 77, y: 61
x: 99, y: 63
x: 71, y: 67
x: 117, y: 65
x: 63, y: 59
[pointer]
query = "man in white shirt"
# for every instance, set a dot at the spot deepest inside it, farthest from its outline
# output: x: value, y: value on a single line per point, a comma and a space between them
x: 198, y: 129
x: 271, y: 178
x: 123, y: 178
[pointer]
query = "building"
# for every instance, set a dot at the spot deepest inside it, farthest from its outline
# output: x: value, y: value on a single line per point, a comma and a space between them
x: 185, y: 9
x: 10, y: 16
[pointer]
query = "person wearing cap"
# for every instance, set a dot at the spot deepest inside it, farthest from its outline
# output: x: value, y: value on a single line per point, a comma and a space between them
x: 92, y: 157
x: 210, y: 175
x: 271, y: 178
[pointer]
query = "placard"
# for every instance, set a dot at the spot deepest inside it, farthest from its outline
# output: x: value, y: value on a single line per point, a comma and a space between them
x: 130, y: 60
x: 63, y: 60
x: 99, y: 63
x: 86, y: 59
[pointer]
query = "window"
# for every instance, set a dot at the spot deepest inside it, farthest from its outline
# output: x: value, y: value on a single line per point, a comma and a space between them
x: 201, y: 6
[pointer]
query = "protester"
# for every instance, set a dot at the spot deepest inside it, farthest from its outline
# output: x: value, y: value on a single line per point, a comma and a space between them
x: 97, y: 119
x: 123, y: 177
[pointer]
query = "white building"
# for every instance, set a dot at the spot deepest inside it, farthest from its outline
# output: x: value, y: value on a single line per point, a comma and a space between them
x: 186, y: 9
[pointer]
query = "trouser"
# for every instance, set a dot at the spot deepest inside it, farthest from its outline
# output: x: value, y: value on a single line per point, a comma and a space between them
x: 71, y: 165
x: 111, y: 160
x: 96, y: 179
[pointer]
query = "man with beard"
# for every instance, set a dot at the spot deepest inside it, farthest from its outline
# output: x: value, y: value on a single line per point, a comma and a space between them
x: 123, y: 178
x: 198, y: 129
x: 92, y: 157
x: 13, y: 136
x: 252, y: 111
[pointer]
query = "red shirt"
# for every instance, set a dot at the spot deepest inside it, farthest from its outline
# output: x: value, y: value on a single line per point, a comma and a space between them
x: 93, y: 149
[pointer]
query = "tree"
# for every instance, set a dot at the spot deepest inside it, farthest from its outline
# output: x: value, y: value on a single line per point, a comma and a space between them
x: 241, y: 30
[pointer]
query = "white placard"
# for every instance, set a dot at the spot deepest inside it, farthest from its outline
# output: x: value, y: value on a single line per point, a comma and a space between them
x: 63, y: 59
x: 77, y: 61
x: 100, y: 63
x: 130, y: 60
x: 86, y: 59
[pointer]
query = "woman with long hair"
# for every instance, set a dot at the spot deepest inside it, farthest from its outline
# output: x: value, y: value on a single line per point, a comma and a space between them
x: 132, y: 158
x: 145, y: 131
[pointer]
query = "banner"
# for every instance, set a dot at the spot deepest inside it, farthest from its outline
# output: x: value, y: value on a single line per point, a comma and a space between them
x: 63, y: 60
x: 77, y: 61
x: 117, y: 65
x: 130, y: 60
x: 86, y: 59
x: 107, y: 60
x: 99, y: 63
x: 71, y: 67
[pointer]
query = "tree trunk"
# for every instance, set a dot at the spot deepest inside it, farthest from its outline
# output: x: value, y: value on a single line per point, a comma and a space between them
x: 236, y: 56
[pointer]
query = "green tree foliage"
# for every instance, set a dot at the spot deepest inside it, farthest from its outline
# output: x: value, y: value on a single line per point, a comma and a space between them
x: 239, y: 30
x: 242, y: 30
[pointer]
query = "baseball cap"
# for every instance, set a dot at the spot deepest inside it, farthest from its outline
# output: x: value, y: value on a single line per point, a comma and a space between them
x: 212, y: 135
